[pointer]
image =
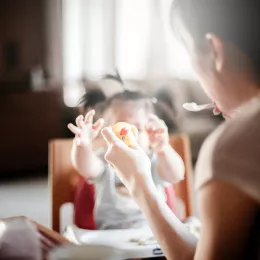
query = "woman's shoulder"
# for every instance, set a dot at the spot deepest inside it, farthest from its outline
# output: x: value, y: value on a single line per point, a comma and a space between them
x: 232, y: 152
x: 240, y: 130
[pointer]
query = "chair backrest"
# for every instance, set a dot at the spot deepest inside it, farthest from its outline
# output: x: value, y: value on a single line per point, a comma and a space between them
x: 181, y: 144
x: 64, y: 180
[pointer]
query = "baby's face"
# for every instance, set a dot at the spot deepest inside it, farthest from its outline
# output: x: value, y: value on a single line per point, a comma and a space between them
x: 132, y: 113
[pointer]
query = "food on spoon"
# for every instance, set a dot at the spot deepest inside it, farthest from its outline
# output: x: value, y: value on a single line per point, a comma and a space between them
x: 193, y: 107
x: 126, y: 132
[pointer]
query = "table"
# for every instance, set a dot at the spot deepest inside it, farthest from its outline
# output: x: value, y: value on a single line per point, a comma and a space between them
x: 121, y: 244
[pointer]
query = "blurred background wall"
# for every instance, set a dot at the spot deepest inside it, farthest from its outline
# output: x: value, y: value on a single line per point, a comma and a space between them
x: 52, y: 50
x: 22, y: 37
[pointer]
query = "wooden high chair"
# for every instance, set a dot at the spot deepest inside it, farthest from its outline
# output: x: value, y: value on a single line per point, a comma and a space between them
x: 181, y: 144
x: 63, y: 179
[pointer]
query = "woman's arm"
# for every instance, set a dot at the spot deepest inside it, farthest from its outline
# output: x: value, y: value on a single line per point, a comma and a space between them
x: 174, y: 238
x: 227, y: 214
x: 134, y: 169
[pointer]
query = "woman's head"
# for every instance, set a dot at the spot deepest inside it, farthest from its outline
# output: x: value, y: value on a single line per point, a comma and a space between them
x: 223, y: 40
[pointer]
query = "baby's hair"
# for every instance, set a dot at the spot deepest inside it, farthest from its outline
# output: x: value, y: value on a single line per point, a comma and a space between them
x: 166, y: 113
x: 116, y: 77
x: 91, y: 98
x: 128, y: 95
x: 165, y: 95
x: 96, y: 99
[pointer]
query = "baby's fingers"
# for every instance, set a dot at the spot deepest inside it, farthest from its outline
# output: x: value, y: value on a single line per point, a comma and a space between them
x: 153, y: 117
x: 78, y: 120
x: 159, y: 131
x: 155, y: 122
x: 98, y: 125
x: 89, y: 117
x: 155, y: 137
x: 75, y: 130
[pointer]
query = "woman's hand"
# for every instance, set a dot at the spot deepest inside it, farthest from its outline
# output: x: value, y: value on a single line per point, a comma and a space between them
x: 131, y: 163
x: 85, y: 131
x: 158, y: 133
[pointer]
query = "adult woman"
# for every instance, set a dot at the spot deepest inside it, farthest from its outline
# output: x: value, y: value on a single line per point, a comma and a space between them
x: 223, y: 41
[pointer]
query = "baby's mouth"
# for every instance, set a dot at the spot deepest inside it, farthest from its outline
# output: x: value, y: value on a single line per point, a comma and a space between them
x: 193, y: 107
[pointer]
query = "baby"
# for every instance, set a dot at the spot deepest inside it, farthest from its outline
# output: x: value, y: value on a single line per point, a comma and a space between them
x: 114, y: 208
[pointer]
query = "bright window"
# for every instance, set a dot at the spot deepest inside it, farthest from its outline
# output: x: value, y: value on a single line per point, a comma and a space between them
x: 132, y: 35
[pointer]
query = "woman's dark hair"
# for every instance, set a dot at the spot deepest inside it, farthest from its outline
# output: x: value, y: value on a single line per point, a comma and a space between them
x: 234, y: 21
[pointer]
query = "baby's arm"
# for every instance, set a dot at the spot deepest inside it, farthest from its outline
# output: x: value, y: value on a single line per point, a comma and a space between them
x: 84, y: 159
x: 170, y: 165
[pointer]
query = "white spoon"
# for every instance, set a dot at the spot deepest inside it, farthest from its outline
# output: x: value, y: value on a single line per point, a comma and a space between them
x: 193, y: 107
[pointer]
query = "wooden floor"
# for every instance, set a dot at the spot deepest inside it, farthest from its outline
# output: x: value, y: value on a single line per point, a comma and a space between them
x: 29, y: 197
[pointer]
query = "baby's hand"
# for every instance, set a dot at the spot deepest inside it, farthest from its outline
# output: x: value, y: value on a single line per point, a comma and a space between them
x: 85, y: 131
x: 158, y: 133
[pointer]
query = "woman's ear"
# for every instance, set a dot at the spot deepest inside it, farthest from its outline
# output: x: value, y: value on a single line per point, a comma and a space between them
x: 217, y: 49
